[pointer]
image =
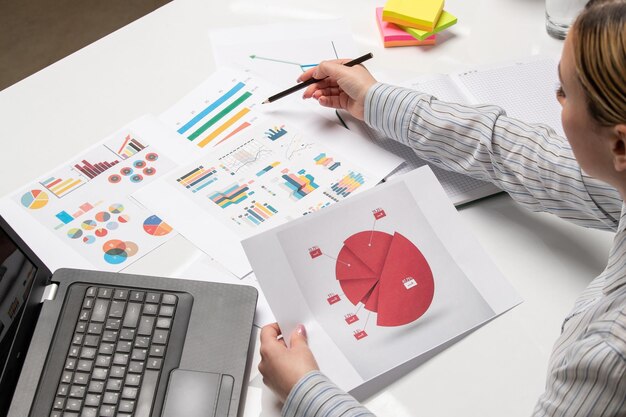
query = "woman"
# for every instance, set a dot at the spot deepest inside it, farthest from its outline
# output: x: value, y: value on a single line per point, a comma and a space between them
x: 582, y: 179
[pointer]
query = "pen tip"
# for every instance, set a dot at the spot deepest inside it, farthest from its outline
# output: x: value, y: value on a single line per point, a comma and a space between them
x: 265, y: 101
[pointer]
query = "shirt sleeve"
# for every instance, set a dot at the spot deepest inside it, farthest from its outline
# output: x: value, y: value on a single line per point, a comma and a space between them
x: 534, y: 165
x: 315, y: 395
x: 589, y: 381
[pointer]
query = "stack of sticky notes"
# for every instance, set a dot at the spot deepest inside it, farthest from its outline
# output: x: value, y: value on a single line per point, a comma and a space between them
x: 412, y: 22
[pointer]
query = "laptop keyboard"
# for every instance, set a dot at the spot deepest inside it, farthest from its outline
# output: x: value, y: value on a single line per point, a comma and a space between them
x: 116, y: 355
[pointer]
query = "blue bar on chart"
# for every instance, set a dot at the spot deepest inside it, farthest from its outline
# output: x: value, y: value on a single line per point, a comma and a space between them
x: 198, y: 178
x: 211, y: 107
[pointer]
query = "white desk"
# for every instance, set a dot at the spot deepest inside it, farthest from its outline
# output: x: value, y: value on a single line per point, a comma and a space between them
x: 146, y: 66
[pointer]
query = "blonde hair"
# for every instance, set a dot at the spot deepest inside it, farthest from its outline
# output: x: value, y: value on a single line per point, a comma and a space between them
x: 599, y: 39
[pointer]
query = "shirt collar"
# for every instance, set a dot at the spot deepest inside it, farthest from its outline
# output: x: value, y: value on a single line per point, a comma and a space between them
x: 616, y: 268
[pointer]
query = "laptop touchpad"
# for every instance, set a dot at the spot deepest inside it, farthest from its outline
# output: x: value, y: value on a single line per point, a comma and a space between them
x: 198, y: 394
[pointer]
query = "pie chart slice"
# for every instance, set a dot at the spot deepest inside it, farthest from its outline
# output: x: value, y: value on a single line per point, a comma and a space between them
x: 371, y: 247
x: 372, y: 301
x: 154, y: 226
x: 349, y: 266
x: 406, y: 284
x: 357, y: 289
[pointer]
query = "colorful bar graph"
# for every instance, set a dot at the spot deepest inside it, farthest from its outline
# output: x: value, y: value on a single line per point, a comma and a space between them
x: 256, y: 213
x: 66, y: 217
x: 275, y: 132
x: 326, y: 162
x: 211, y: 107
x: 348, y: 184
x: 300, y: 185
x: 198, y: 178
x: 223, y: 127
x: 93, y: 170
x: 220, y: 115
x: 60, y: 187
x: 129, y: 147
x: 268, y: 168
x: 232, y: 195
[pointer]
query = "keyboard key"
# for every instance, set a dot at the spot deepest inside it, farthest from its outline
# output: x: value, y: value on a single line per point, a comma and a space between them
x: 100, y: 309
x: 166, y: 311
x: 55, y: 413
x: 145, y: 326
x: 130, y: 393
x: 74, y: 351
x: 110, y: 336
x: 91, y: 292
x: 113, y: 324
x: 88, y: 303
x: 93, y: 400
x: 127, y: 334
x: 103, y: 360
x: 96, y: 387
x: 70, y: 414
x: 146, y: 394
x: 114, y: 384
x: 88, y: 352
x: 85, y: 365
x: 92, y: 340
x: 142, y: 342
x: 107, y: 411
x: 63, y: 390
x: 126, y: 406
x: 81, y: 378
x: 117, y: 309
x: 111, y: 398
x: 150, y: 309
x: 153, y: 297
x: 169, y: 299
x: 157, y: 351
x: 105, y: 292
x: 132, y: 315
x: 160, y: 336
x: 121, y: 359
x: 73, y: 404
x: 81, y: 326
x: 154, y: 363
x: 124, y: 346
x: 99, y: 374
x: 94, y: 328
x: 106, y: 348
x: 139, y: 354
x: 135, y: 367
x: 120, y: 294
x: 118, y: 371
x: 164, y: 323
x: 70, y: 364
x: 137, y: 295
x: 78, y: 391
x: 66, y: 377
x: 132, y: 380
x: 89, y: 412
x: 59, y: 403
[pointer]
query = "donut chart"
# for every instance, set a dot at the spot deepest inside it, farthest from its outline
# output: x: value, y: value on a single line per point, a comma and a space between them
x: 388, y: 274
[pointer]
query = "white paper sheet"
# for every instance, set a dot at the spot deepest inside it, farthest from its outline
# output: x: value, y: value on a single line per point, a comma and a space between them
x: 379, y: 279
x: 81, y: 214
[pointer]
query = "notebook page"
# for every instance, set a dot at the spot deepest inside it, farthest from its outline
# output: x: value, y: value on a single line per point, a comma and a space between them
x: 525, y: 90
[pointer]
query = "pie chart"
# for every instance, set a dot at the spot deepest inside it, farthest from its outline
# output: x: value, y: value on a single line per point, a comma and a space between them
x: 154, y: 226
x: 388, y: 274
x: 34, y: 199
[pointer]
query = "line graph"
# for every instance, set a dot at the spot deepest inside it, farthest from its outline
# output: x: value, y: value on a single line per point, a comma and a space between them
x: 244, y: 155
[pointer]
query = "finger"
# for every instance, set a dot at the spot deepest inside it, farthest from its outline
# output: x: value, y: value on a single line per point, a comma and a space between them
x: 333, y: 68
x: 270, y: 333
x: 306, y: 75
x: 299, y: 337
x: 313, y: 88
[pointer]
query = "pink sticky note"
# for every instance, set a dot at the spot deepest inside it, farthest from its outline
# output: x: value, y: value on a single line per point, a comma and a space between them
x: 392, y: 35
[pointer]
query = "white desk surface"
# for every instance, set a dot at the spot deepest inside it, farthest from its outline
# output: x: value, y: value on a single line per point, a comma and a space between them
x: 148, y: 65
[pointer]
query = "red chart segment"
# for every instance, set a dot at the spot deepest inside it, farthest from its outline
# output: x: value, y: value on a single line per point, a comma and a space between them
x: 388, y: 274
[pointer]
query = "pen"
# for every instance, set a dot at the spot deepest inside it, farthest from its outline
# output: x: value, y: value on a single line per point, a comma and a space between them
x: 310, y: 81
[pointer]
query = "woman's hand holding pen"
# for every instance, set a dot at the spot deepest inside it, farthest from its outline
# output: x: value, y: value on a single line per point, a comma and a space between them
x: 345, y: 88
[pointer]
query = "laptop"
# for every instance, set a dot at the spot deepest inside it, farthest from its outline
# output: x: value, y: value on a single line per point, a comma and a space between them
x: 88, y: 344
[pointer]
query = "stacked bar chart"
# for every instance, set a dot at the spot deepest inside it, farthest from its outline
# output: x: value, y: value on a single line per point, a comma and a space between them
x: 198, y: 178
x: 300, y: 185
x: 275, y: 132
x: 93, y: 170
x: 256, y: 213
x: 234, y: 194
x: 345, y: 186
x: 268, y: 168
x: 326, y: 162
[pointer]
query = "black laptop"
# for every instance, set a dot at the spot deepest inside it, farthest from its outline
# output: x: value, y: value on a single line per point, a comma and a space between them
x: 82, y: 343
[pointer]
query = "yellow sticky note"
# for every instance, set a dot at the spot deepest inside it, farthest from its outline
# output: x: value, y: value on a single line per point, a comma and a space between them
x: 419, y: 14
x: 445, y: 21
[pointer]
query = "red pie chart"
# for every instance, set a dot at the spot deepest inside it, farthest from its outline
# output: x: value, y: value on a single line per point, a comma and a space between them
x: 388, y: 274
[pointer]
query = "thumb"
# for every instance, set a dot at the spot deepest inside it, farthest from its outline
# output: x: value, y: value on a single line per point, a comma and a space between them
x: 299, y: 337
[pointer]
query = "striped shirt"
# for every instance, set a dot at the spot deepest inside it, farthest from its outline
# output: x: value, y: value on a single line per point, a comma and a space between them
x: 536, y: 167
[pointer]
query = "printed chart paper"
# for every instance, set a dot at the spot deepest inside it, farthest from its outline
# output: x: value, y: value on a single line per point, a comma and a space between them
x: 379, y: 279
x: 266, y: 167
x: 84, y: 206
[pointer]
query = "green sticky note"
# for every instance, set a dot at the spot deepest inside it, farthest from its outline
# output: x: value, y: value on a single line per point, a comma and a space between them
x: 445, y: 21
